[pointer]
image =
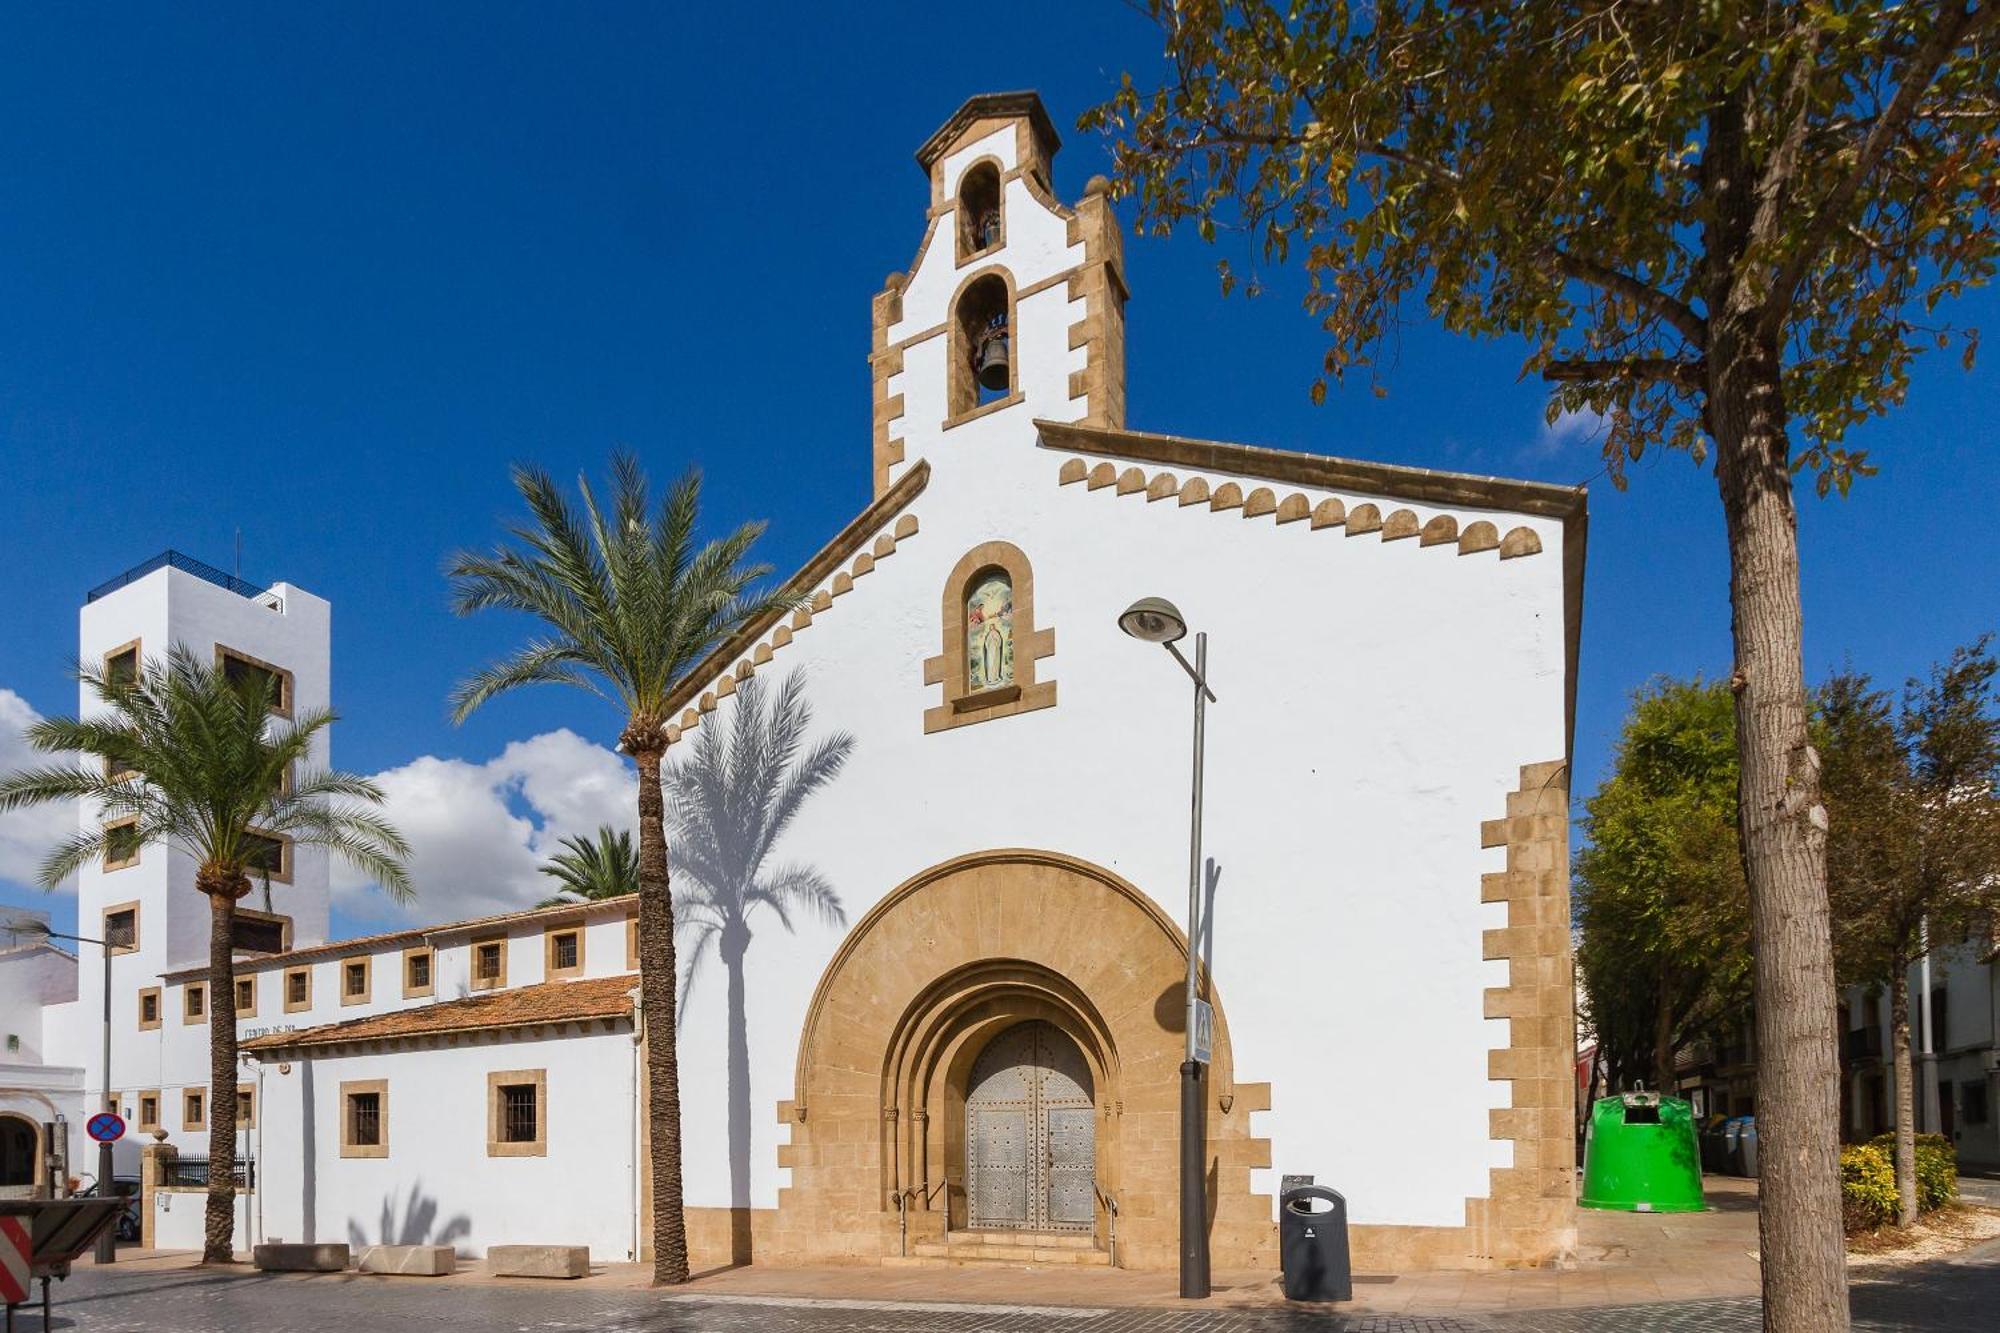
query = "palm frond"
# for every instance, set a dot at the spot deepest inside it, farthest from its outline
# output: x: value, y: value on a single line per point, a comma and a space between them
x: 543, y: 662
x: 202, y: 766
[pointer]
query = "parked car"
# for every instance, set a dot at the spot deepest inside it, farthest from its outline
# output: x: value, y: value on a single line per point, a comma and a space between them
x: 126, y: 1187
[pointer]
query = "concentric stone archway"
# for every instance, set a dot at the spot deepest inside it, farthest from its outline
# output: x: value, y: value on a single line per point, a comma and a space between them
x: 952, y: 957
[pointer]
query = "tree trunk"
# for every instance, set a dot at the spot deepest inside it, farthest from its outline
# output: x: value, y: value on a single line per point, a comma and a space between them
x: 219, y: 1222
x: 1906, y: 1120
x: 1782, y: 827
x: 658, y: 971
x: 735, y: 943
x: 1663, y: 1040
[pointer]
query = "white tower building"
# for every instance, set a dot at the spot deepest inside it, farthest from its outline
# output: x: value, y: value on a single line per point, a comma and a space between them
x: 146, y: 900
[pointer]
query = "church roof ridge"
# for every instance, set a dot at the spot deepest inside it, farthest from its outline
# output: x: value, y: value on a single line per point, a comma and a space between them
x: 1540, y: 498
x: 824, y: 564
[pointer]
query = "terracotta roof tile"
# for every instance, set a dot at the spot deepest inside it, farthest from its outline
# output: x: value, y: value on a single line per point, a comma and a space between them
x: 523, y: 1006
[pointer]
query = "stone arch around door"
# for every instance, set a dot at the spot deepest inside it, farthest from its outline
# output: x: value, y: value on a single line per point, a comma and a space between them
x: 953, y: 958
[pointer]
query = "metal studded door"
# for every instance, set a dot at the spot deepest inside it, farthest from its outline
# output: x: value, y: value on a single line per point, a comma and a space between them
x: 1031, y: 1133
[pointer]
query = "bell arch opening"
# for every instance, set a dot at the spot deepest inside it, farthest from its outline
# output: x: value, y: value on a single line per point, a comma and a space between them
x: 982, y: 345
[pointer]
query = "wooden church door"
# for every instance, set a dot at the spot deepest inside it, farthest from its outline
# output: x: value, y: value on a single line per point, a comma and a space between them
x: 1031, y: 1133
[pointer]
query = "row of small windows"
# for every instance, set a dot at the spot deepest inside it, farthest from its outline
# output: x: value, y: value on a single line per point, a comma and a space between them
x: 144, y: 1108
x: 265, y: 855
x: 251, y: 932
x: 563, y: 958
x: 517, y: 1116
x: 121, y: 668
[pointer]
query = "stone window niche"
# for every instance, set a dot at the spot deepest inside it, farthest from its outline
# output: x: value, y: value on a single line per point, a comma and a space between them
x: 489, y: 963
x: 562, y: 952
x: 982, y: 225
x: 298, y: 989
x: 273, y: 681
x: 418, y: 972
x: 121, y: 928
x: 357, y: 980
x: 991, y: 642
x: 364, y: 1118
x: 983, y: 374
x: 517, y: 1113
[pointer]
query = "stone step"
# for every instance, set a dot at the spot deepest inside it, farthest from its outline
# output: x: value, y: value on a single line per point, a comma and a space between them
x: 1045, y: 1240
x: 934, y: 1252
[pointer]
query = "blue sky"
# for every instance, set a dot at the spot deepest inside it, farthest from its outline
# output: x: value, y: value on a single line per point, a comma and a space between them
x: 320, y: 274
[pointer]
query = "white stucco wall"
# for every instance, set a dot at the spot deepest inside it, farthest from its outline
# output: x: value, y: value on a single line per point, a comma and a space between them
x: 1377, y: 700
x: 437, y: 1185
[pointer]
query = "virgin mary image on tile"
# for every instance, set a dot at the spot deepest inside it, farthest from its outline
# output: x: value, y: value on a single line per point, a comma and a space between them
x: 989, y: 632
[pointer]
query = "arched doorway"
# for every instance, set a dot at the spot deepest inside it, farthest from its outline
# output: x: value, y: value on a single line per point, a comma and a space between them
x: 1031, y: 1133
x: 19, y: 1146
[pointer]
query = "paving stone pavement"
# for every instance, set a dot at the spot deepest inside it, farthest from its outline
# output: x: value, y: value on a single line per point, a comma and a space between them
x: 1947, y: 1297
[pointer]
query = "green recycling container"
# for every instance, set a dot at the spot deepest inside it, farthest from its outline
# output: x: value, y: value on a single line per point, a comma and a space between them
x: 1641, y: 1156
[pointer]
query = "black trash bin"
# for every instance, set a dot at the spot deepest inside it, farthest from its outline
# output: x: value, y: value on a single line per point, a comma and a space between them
x: 1312, y: 1244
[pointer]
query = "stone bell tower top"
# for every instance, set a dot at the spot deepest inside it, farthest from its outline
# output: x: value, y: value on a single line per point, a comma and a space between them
x: 1014, y: 309
x: 1035, y: 138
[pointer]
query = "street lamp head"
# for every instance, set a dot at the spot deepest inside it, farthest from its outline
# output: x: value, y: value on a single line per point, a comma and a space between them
x: 32, y: 926
x: 1154, y: 619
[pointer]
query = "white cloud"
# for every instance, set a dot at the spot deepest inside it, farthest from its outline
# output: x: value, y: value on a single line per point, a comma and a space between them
x: 1571, y: 428
x: 27, y: 835
x: 479, y: 832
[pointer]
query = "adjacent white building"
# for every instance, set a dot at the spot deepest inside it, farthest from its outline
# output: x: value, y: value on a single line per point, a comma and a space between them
x: 982, y: 1059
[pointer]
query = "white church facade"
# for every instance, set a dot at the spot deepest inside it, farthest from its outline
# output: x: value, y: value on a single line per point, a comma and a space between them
x: 984, y: 1058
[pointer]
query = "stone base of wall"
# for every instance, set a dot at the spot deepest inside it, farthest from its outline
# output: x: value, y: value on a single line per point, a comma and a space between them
x: 728, y: 1237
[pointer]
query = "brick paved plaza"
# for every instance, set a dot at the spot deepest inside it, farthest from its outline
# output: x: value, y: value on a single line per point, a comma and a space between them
x: 1948, y: 1296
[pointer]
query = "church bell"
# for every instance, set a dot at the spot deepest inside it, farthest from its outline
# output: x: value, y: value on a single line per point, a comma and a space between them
x: 992, y: 361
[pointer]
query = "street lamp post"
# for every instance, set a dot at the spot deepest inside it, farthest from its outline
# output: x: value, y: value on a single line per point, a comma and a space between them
x: 107, y: 1240
x: 1157, y: 620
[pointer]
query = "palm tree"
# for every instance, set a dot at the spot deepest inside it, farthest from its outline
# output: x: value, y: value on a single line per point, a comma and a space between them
x: 732, y: 798
x: 590, y: 869
x: 190, y: 758
x: 631, y: 605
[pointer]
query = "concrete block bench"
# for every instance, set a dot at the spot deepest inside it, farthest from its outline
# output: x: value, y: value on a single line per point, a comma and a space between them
x: 561, y: 1261
x: 280, y: 1258
x: 408, y: 1260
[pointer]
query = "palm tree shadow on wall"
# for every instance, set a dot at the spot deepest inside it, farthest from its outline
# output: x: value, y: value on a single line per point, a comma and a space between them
x: 729, y: 800
x: 418, y: 1224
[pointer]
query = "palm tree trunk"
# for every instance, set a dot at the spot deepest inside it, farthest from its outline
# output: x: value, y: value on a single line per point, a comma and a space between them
x: 1906, y: 1118
x: 1782, y: 829
x: 735, y: 943
x: 219, y: 1222
x: 658, y: 971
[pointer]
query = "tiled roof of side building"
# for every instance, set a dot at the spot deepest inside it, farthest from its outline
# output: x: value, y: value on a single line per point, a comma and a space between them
x: 359, y: 944
x: 523, y: 1006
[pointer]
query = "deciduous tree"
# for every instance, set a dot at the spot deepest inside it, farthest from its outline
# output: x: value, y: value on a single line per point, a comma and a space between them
x: 1914, y: 851
x: 1662, y: 912
x: 1726, y: 226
